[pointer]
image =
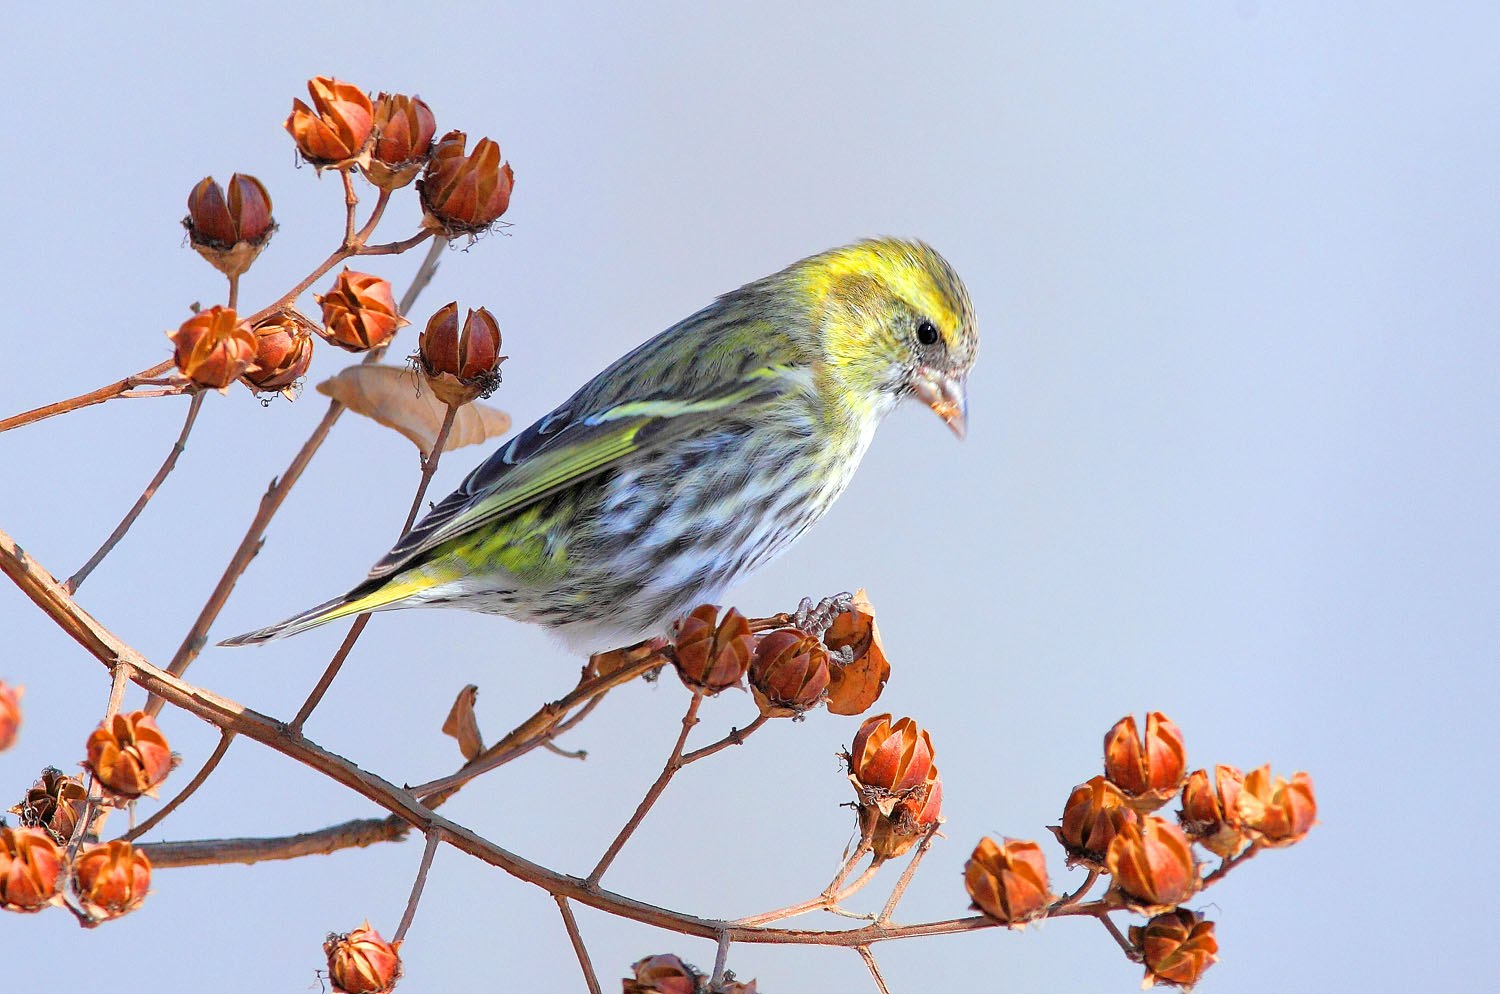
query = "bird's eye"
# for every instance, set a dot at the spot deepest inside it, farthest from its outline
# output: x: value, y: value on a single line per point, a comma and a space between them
x: 927, y: 333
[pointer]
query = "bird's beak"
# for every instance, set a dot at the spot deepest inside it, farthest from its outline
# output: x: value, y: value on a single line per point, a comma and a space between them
x: 945, y: 395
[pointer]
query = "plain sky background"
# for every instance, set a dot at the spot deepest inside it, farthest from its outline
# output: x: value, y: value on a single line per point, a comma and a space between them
x: 1232, y: 455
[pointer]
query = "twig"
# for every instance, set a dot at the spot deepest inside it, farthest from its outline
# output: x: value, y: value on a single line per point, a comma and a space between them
x: 271, y: 501
x: 1229, y: 863
x: 107, y: 392
x: 1119, y: 937
x: 528, y: 734
x: 735, y: 737
x: 351, y: 201
x: 721, y: 960
x: 358, y: 833
x: 48, y: 595
x: 234, y: 291
x: 674, y: 763
x: 869, y: 958
x: 582, y: 952
x: 433, y: 838
x: 338, y: 255
x: 429, y: 466
x: 829, y: 900
x: 76, y: 580
x: 208, y: 767
x: 558, y: 750
x: 911, y: 868
x: 396, y: 248
x: 1073, y: 898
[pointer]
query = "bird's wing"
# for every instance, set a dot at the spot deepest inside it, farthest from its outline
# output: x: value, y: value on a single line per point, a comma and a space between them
x: 566, y: 448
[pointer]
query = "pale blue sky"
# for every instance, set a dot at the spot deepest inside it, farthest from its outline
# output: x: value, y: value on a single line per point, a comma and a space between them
x: 1232, y: 455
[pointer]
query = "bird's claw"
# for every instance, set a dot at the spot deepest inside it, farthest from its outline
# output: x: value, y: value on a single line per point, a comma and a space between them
x: 816, y: 618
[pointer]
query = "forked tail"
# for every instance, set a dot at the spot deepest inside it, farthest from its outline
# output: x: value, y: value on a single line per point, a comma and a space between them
x: 354, y: 602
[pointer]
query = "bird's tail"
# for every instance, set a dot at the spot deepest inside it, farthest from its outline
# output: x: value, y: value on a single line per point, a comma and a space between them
x: 357, y: 601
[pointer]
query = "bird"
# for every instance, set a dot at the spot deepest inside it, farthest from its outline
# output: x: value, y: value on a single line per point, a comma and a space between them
x: 691, y: 461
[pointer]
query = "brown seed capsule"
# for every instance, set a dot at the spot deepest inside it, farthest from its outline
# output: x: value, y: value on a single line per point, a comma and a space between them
x: 711, y: 658
x: 1176, y: 947
x: 111, y: 879
x: 29, y: 867
x: 1210, y: 810
x: 892, y: 834
x: 663, y: 974
x: 54, y: 804
x: 1277, y: 812
x: 336, y: 127
x: 464, y: 195
x: 1152, y: 864
x: 129, y: 754
x: 213, y: 347
x: 1091, y: 818
x: 1008, y: 882
x: 403, y: 128
x: 283, y: 351
x: 789, y: 673
x: 10, y: 713
x: 1149, y: 772
x: 461, y: 365
x: 361, y: 962
x: 359, y: 312
x: 894, y: 757
x: 229, y: 231
x: 855, y: 686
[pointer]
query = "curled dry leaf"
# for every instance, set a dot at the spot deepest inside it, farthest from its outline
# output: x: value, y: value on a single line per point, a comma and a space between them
x: 393, y: 396
x: 462, y: 725
x: 854, y: 687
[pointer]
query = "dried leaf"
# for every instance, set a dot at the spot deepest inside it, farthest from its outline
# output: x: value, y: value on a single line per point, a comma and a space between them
x: 462, y: 724
x: 395, y: 397
x: 855, y: 687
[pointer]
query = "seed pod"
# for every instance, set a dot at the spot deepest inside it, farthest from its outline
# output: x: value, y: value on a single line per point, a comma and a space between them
x: 229, y: 231
x: 1008, y: 882
x: 361, y: 962
x: 1210, y: 810
x: 10, y: 714
x: 359, y: 312
x: 789, y: 673
x: 711, y: 658
x: 29, y: 868
x: 129, y: 754
x: 283, y: 351
x: 461, y: 365
x: 111, y: 879
x: 1277, y: 812
x: 464, y: 195
x: 336, y: 127
x: 1152, y: 864
x: 213, y: 347
x: 1176, y: 947
x: 663, y: 974
x: 1092, y: 817
x: 1149, y: 771
x: 403, y: 129
x: 54, y: 804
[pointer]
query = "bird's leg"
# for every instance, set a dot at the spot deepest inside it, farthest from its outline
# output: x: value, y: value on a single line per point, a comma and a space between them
x: 816, y: 618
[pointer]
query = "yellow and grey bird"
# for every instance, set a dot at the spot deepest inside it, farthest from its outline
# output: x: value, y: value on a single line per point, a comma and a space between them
x: 691, y: 461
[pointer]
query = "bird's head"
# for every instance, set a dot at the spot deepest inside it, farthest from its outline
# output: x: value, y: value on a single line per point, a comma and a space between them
x: 895, y: 321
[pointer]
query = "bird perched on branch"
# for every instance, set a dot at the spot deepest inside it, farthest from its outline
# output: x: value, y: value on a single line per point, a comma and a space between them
x: 694, y: 459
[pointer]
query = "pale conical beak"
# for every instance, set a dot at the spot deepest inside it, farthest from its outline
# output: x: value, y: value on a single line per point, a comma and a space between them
x: 945, y: 395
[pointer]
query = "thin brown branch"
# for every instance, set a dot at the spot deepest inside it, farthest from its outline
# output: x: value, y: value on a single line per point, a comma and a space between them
x: 208, y: 767
x: 270, y: 502
x: 234, y: 291
x: 735, y: 737
x: 558, y: 750
x: 571, y: 923
x: 829, y: 900
x: 396, y: 248
x: 76, y: 580
x: 351, y: 201
x: 1077, y: 895
x: 433, y: 838
x: 674, y: 763
x: 1230, y: 863
x: 424, y: 274
x: 1118, y: 936
x: 107, y: 392
x: 49, y: 596
x: 874, y: 968
x: 911, y: 868
x: 217, y: 852
x: 534, y: 730
x: 352, y: 243
x: 429, y: 466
